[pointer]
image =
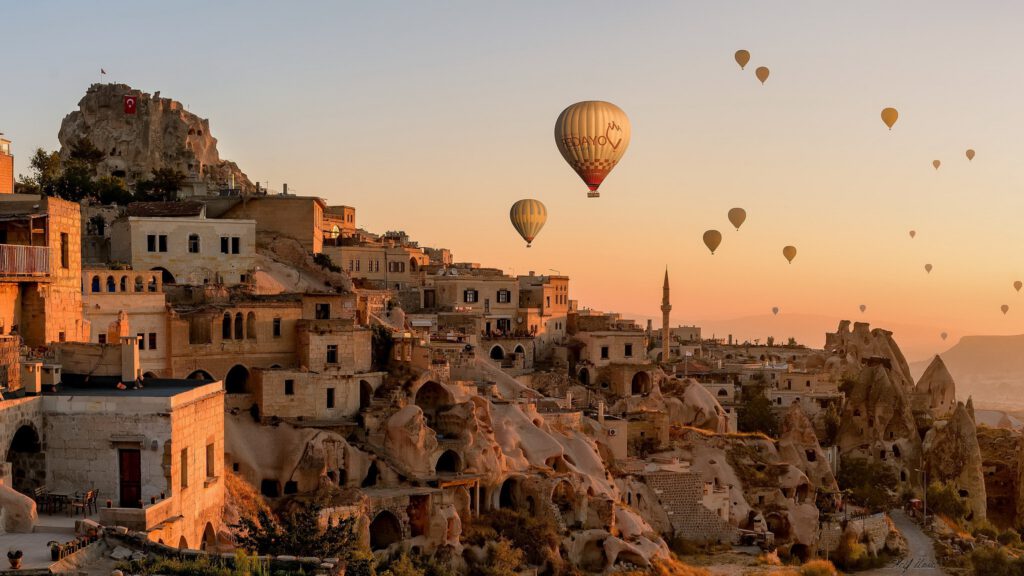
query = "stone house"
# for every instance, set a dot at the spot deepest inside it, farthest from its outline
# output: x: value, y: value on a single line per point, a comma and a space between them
x: 124, y: 303
x: 177, y: 239
x: 615, y: 361
x: 543, y: 310
x: 339, y: 222
x: 298, y: 217
x: 6, y: 167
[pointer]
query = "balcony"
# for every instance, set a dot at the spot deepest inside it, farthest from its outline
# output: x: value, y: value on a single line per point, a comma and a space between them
x: 24, y: 261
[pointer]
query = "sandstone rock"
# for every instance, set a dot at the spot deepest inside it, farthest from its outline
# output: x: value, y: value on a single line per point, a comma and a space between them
x: 850, y: 348
x: 695, y: 406
x: 952, y: 456
x: 935, y: 393
x: 17, y: 511
x: 1000, y: 459
x: 161, y: 134
x: 798, y: 445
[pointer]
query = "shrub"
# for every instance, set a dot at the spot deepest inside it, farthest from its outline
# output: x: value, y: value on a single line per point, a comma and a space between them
x: 818, y: 568
x: 1009, y: 538
x: 944, y: 499
x: 536, y: 536
x: 869, y: 483
x: 995, y: 562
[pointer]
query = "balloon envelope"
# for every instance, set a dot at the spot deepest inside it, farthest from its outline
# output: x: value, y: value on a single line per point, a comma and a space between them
x: 889, y: 116
x: 944, y: 335
x: 970, y: 154
x: 592, y: 137
x: 1004, y: 308
x: 712, y: 239
x: 742, y: 57
x: 762, y: 73
x: 789, y: 252
x: 528, y: 217
x: 1018, y: 285
x: 863, y: 307
x: 928, y: 268
x: 913, y: 233
x: 936, y: 164
x: 737, y: 216
x: 775, y: 310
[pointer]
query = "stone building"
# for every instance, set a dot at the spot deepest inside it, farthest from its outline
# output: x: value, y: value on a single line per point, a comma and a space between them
x: 543, y: 310
x: 615, y: 361
x: 339, y: 222
x: 298, y: 217
x: 177, y: 239
x: 6, y: 167
x: 124, y: 303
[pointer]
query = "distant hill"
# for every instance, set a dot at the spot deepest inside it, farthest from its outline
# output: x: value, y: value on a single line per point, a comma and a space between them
x: 989, y: 368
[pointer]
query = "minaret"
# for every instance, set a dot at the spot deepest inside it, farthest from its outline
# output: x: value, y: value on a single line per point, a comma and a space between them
x: 666, y: 307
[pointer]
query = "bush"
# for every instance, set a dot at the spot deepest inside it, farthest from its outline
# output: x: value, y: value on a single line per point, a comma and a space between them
x: 869, y: 483
x: 944, y: 499
x: 818, y: 568
x: 1009, y: 538
x: 536, y: 536
x: 995, y: 562
x: 757, y: 415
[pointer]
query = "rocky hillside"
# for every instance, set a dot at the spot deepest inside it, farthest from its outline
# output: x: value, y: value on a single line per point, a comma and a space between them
x: 159, y: 134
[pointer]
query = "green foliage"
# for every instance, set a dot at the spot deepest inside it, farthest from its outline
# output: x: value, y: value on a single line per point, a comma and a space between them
x: 869, y: 483
x: 201, y: 566
x: 756, y: 414
x: 818, y: 568
x: 503, y: 559
x: 852, y: 556
x: 1010, y: 537
x: 298, y: 533
x: 943, y: 499
x: 361, y: 563
x: 536, y: 535
x: 832, y: 423
x: 324, y: 261
x: 72, y: 178
x: 995, y: 562
x: 163, y: 186
x: 403, y: 566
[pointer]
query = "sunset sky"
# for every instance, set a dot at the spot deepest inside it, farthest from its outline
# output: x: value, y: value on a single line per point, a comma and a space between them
x: 435, y: 117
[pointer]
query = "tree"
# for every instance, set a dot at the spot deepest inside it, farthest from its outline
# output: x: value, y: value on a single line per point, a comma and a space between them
x: 503, y: 559
x: 757, y: 415
x: 74, y: 178
x: 298, y: 533
x: 163, y: 186
x: 944, y: 499
x: 85, y: 151
x: 869, y: 483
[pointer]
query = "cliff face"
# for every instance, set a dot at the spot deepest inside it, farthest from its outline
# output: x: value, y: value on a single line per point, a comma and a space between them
x: 953, y: 456
x: 798, y: 445
x: 1000, y: 448
x: 160, y: 134
x: 850, y: 348
x: 934, y: 395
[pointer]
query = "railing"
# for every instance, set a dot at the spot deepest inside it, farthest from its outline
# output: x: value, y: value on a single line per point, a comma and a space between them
x: 24, y: 260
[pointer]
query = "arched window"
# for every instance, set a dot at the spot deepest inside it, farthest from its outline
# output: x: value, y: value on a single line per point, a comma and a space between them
x: 152, y: 284
x: 95, y: 283
x: 193, y: 243
x: 124, y: 283
x: 225, y: 326
x: 239, y: 327
x: 250, y: 325
x: 139, y: 284
x: 111, y: 286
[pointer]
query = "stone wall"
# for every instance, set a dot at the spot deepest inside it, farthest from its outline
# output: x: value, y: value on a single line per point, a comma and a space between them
x: 298, y: 217
x: 681, y: 495
x: 308, y: 397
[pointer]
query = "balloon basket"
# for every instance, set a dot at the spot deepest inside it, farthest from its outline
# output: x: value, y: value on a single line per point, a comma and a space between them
x: 593, y: 194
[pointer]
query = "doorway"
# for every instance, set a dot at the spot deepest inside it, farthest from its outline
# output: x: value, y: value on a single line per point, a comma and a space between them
x: 130, y: 464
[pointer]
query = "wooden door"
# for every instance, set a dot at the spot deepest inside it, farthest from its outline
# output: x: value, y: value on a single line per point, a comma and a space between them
x: 130, y: 464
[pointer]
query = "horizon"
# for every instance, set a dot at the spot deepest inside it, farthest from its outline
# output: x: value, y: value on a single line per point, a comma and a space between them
x: 453, y: 98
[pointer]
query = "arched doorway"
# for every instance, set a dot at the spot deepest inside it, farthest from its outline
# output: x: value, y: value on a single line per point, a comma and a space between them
x: 365, y: 394
x: 372, y: 474
x: 385, y: 530
x: 199, y: 375
x: 237, y: 380
x: 413, y: 264
x: 209, y: 539
x: 520, y: 350
x: 563, y: 497
x: 431, y: 398
x: 641, y: 383
x: 27, y: 461
x: 584, y: 377
x: 497, y: 352
x: 511, y: 495
x: 165, y: 275
x: 448, y: 463
x: 183, y: 543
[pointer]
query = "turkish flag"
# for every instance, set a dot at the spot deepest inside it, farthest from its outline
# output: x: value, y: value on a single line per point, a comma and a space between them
x: 129, y: 104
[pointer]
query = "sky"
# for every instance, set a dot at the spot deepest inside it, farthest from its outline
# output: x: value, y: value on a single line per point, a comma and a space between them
x: 435, y: 117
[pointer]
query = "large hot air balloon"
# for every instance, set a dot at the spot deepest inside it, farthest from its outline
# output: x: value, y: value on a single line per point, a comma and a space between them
x: 889, y: 116
x: 528, y: 217
x: 944, y: 335
x: 970, y: 154
x: 928, y: 268
x: 737, y: 216
x: 775, y: 310
x: 936, y: 164
x: 789, y: 252
x: 712, y: 238
x: 742, y: 57
x: 1004, y: 308
x: 762, y: 73
x: 913, y: 233
x: 1017, y: 285
x: 592, y: 137
x: 863, y: 308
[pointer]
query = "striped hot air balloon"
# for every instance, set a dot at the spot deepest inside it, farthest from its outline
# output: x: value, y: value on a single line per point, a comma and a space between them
x: 528, y: 217
x: 592, y: 137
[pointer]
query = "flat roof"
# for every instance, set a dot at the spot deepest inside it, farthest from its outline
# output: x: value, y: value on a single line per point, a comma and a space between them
x: 152, y: 388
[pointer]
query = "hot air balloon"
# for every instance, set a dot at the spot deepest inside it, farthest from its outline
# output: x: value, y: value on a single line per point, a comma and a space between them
x: 742, y: 57
x: 528, y: 217
x: 762, y: 73
x: 913, y: 233
x: 944, y: 335
x: 737, y: 216
x: 1017, y: 285
x: 936, y: 164
x: 712, y: 238
x: 928, y: 268
x: 970, y: 154
x: 592, y: 137
x: 863, y: 308
x: 789, y: 252
x: 1004, y: 308
x: 889, y: 116
x: 775, y: 310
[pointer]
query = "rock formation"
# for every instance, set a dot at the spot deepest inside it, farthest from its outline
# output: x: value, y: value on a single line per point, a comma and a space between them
x: 935, y: 394
x: 798, y: 445
x: 17, y: 511
x: 160, y: 134
x: 694, y: 405
x: 851, y: 348
x: 1000, y: 459
x: 952, y: 456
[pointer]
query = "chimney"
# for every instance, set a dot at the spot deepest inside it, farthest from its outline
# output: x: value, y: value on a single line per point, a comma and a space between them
x: 600, y: 412
x: 568, y: 400
x: 284, y: 189
x: 730, y: 339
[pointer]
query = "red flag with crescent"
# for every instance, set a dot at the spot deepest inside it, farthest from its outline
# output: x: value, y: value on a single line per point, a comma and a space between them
x: 129, y: 104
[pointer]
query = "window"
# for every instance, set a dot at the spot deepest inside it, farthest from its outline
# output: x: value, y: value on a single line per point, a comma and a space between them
x: 224, y: 241
x: 193, y: 243
x: 141, y: 337
x: 322, y: 311
x: 548, y: 301
x: 102, y: 338
x: 277, y: 327
x: 64, y: 256
x: 151, y: 243
x: 332, y: 353
x: 239, y: 326
x: 357, y: 265
x: 225, y: 327
x: 604, y: 352
x: 152, y: 340
x: 61, y: 336
x: 184, y: 467
x: 629, y: 351
x: 469, y: 296
x: 163, y: 242
x: 289, y: 387
x: 330, y: 397
x: 210, y: 461
x: 235, y: 244
x: 504, y: 296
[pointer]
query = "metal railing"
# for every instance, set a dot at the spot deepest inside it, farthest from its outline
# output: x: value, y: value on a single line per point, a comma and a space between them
x: 24, y: 260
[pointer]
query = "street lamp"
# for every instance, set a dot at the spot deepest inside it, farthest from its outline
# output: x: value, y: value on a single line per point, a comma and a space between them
x: 924, y: 474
